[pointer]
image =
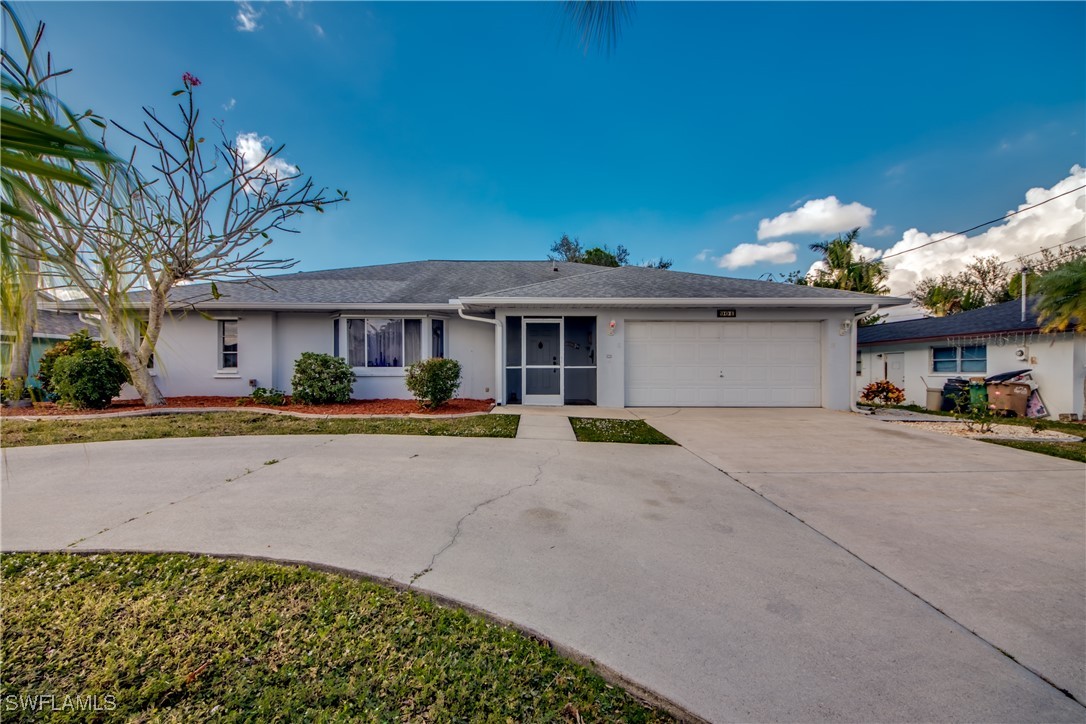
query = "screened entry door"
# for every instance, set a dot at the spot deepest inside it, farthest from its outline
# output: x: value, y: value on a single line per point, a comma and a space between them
x: 542, y: 355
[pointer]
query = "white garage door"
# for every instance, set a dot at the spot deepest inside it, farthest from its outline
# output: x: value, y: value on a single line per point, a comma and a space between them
x: 723, y: 364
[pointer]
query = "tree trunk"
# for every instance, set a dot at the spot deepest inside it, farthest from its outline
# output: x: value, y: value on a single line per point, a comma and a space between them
x: 120, y: 328
x: 25, y: 320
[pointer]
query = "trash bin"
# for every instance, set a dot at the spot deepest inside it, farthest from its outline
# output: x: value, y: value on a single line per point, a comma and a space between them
x: 978, y: 393
x: 1008, y: 397
x: 935, y: 399
x: 955, y: 394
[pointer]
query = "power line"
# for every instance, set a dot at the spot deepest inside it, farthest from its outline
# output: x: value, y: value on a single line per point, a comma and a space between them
x: 1068, y: 252
x: 986, y: 223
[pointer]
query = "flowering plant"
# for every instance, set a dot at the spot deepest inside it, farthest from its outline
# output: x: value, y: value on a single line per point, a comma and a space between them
x: 884, y: 391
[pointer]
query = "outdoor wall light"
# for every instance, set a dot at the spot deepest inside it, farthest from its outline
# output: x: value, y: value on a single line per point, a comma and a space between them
x: 611, y: 329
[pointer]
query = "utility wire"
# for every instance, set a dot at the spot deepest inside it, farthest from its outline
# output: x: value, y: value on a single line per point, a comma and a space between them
x: 986, y: 223
x: 1068, y: 252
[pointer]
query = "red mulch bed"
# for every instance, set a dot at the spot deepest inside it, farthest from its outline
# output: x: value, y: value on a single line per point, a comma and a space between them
x: 354, y: 407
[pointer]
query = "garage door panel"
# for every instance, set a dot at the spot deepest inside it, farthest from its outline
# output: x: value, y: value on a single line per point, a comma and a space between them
x: 774, y: 364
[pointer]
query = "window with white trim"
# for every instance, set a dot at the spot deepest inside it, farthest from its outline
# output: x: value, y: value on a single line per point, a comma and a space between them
x: 228, y: 344
x: 376, y: 342
x: 970, y: 358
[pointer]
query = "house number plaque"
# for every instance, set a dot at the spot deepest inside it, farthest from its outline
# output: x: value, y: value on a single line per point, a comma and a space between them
x: 725, y: 312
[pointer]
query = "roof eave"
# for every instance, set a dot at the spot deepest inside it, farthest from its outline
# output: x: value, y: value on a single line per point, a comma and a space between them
x: 857, y: 303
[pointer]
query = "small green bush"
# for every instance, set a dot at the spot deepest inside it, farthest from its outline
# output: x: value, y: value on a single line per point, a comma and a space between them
x: 77, y: 342
x: 91, y: 378
x: 433, y: 382
x: 321, y: 379
x: 268, y: 396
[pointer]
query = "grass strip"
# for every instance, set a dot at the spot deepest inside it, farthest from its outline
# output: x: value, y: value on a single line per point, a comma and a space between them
x: 593, y: 429
x: 185, y: 638
x: 17, y: 433
x: 1069, y: 450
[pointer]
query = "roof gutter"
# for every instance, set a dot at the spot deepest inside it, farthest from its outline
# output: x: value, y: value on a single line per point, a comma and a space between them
x: 852, y: 358
x: 499, y: 367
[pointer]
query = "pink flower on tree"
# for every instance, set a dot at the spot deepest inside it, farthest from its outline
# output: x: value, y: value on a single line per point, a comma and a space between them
x: 190, y: 80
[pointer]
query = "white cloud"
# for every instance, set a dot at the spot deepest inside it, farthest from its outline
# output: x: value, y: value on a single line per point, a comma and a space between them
x: 703, y: 255
x: 883, y: 231
x: 229, y: 105
x: 1060, y: 221
x: 247, y: 17
x: 252, y: 148
x: 817, y: 216
x: 775, y: 252
x: 318, y: 30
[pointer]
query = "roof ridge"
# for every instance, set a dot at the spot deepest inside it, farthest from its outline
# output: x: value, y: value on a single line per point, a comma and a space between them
x: 548, y: 281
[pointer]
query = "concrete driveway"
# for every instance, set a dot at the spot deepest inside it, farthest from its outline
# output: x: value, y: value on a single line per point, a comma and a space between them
x: 993, y: 537
x: 648, y: 559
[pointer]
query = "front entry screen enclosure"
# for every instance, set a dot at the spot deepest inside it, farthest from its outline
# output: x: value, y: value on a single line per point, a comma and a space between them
x: 550, y: 360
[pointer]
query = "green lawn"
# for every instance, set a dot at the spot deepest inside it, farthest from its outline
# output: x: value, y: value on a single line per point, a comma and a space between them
x: 592, y: 429
x: 17, y: 433
x: 182, y: 638
x: 1069, y: 450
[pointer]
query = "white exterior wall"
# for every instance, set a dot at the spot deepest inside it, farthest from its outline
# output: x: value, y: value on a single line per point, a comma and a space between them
x: 269, y: 343
x: 187, y: 355
x: 1058, y: 363
x: 294, y: 334
x: 837, y: 363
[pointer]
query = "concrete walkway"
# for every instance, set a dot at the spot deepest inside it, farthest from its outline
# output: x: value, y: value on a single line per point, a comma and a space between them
x: 544, y: 427
x: 645, y: 558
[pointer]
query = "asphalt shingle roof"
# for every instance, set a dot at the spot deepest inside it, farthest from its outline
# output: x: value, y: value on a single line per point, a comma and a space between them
x: 59, y: 324
x: 414, y: 282
x: 636, y: 282
x: 437, y: 282
x: 1006, y: 317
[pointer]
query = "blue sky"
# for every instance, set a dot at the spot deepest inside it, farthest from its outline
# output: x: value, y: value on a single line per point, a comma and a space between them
x: 481, y: 130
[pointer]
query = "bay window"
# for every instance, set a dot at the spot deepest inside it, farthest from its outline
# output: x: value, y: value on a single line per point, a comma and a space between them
x: 383, y: 343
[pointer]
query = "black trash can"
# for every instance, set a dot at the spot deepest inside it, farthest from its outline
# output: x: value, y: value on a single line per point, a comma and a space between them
x: 956, y: 394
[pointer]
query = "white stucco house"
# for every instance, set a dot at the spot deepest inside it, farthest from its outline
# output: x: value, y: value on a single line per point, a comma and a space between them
x: 525, y: 332
x: 923, y: 353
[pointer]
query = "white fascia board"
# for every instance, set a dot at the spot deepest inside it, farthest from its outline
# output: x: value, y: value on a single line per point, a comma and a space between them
x: 671, y: 302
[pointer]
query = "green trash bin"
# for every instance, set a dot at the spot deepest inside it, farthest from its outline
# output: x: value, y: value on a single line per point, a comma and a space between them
x: 978, y: 393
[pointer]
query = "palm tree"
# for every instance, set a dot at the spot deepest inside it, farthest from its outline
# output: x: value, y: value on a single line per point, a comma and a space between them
x: 35, y: 146
x: 599, y: 22
x: 1062, y: 303
x: 844, y: 271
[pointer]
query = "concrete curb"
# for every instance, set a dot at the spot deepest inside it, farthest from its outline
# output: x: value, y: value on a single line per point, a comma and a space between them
x: 243, y: 408
x: 611, y: 676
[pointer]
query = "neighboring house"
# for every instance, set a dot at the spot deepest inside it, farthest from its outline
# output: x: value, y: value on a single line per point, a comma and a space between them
x: 923, y: 353
x: 52, y: 327
x: 531, y: 332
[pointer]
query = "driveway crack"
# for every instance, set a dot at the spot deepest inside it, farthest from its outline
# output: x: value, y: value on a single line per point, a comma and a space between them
x: 190, y: 496
x: 459, y: 524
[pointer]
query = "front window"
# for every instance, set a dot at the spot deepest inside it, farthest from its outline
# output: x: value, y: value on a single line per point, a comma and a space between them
x: 228, y: 344
x: 959, y: 359
x: 381, y: 342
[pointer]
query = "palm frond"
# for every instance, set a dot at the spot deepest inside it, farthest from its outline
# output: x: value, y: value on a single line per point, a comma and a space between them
x: 599, y: 22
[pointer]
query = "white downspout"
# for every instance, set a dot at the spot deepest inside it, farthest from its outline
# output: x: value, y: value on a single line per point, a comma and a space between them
x: 852, y: 360
x: 499, y: 367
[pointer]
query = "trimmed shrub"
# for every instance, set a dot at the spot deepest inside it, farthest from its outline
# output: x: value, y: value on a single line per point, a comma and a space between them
x: 91, y: 378
x: 321, y: 379
x: 433, y: 382
x: 883, y: 391
x: 77, y: 342
x: 268, y: 396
